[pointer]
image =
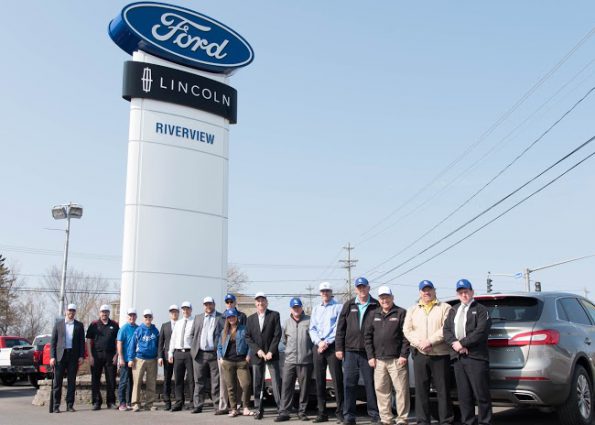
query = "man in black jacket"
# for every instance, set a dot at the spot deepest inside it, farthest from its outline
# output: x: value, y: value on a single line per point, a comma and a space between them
x: 466, y: 330
x: 263, y: 333
x: 388, y: 351
x: 350, y: 348
x: 163, y: 348
x: 67, y: 352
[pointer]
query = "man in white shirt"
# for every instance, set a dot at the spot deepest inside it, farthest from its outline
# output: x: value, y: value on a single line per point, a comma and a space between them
x: 205, y: 333
x: 179, y: 354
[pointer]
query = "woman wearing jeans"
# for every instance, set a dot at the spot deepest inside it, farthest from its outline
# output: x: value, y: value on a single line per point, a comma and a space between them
x: 232, y: 352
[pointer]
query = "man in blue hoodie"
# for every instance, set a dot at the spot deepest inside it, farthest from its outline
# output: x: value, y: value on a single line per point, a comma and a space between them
x: 142, y: 355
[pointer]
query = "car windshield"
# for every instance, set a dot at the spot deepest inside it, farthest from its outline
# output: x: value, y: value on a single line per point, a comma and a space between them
x: 41, y: 341
x: 512, y: 309
x: 15, y: 342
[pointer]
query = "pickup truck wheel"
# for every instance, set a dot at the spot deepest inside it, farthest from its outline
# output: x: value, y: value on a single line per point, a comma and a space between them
x: 8, y: 380
x: 33, y: 381
x: 578, y: 408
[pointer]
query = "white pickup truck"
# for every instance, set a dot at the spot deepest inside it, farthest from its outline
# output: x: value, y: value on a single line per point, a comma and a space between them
x: 8, y: 373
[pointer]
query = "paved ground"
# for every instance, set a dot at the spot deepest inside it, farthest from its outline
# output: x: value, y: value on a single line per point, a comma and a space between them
x: 16, y: 409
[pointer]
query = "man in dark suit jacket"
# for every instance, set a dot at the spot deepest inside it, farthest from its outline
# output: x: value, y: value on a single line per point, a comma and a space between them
x: 67, y: 352
x: 263, y: 333
x: 466, y: 330
x: 163, y: 348
x: 206, y: 329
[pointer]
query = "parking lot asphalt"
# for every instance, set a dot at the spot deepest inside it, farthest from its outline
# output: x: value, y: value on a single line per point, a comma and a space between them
x: 16, y: 409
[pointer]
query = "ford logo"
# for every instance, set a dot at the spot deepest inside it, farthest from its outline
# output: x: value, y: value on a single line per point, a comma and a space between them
x: 180, y: 35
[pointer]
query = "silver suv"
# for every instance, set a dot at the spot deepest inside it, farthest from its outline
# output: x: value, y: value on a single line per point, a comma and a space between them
x: 542, y: 352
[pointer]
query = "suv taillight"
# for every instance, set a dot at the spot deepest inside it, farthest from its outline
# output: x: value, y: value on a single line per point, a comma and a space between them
x: 542, y: 337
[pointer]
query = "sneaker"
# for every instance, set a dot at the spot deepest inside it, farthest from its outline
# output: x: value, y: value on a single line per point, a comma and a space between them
x: 122, y: 407
x: 136, y: 408
x: 97, y: 406
x: 303, y: 417
x: 153, y: 408
x: 70, y: 408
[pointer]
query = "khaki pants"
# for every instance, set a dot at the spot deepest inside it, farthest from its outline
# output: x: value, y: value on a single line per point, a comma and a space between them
x: 388, y: 375
x: 139, y: 369
x: 231, y: 370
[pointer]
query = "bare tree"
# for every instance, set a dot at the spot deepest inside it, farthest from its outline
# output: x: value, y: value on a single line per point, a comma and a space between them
x: 236, y: 279
x: 86, y: 291
x: 33, y: 319
x: 9, y: 308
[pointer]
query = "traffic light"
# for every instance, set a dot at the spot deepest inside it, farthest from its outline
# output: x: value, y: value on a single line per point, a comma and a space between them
x: 537, y: 286
x: 489, y: 285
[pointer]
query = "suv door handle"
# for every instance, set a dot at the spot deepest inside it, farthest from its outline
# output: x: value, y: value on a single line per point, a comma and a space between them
x: 588, y: 341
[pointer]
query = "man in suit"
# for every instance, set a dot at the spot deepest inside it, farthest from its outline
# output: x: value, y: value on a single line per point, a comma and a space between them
x: 179, y: 355
x: 163, y: 347
x: 67, y: 352
x: 205, y: 333
x: 466, y: 331
x: 263, y: 333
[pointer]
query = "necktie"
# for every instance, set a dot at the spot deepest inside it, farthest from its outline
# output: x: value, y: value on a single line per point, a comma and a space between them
x: 183, y: 333
x: 204, y: 337
x: 460, y: 329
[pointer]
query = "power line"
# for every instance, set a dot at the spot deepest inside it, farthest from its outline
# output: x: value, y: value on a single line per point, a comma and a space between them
x: 488, y: 132
x: 496, y: 218
x: 488, y: 209
x: 489, y: 182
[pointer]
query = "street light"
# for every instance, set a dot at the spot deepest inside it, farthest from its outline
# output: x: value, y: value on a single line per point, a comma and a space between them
x: 61, y: 212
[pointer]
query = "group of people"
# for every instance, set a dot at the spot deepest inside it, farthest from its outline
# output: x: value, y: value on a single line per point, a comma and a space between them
x: 228, y: 352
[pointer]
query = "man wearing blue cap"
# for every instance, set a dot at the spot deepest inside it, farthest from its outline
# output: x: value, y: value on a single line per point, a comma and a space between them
x: 298, y: 360
x: 431, y: 359
x: 466, y: 331
x: 351, y: 349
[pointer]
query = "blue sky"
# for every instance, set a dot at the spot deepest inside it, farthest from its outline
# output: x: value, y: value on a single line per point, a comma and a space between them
x: 347, y: 111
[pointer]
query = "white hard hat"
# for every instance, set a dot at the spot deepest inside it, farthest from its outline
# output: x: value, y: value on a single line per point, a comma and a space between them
x: 131, y: 310
x: 325, y: 286
x: 173, y: 307
x: 147, y: 312
x: 384, y: 290
x: 186, y: 304
x: 104, y: 307
x: 208, y: 300
x: 260, y: 294
x: 71, y: 307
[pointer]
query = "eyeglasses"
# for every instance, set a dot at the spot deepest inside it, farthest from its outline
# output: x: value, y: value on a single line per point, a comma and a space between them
x: 228, y: 301
x: 148, y: 316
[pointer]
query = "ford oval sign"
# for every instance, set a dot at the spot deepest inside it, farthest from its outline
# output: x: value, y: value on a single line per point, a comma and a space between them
x: 180, y: 35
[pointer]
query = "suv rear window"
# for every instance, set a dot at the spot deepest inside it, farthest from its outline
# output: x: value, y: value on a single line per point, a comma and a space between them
x: 512, y: 309
x: 15, y: 342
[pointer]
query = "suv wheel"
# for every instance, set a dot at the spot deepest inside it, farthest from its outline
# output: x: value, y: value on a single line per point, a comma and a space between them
x: 578, y: 408
x: 9, y: 379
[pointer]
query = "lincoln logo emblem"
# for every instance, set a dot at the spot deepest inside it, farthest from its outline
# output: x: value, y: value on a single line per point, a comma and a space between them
x: 147, y: 80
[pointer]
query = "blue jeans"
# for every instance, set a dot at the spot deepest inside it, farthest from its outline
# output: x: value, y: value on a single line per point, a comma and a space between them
x: 125, y: 386
x: 354, y: 364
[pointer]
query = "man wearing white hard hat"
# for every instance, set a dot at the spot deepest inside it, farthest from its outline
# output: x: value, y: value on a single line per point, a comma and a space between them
x: 103, y: 356
x: 179, y: 355
x: 164, y: 340
x: 263, y: 334
x: 67, y: 351
x: 124, y: 339
x: 142, y: 355
x: 206, y: 329
x: 323, y: 328
x: 388, y: 351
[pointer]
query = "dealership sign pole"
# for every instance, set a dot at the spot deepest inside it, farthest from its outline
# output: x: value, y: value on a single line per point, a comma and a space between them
x: 175, y: 219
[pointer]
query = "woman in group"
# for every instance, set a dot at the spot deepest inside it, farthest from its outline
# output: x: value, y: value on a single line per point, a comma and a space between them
x: 232, y: 352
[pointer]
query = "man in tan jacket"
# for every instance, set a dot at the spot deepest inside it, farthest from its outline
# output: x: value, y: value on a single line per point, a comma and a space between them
x: 431, y: 359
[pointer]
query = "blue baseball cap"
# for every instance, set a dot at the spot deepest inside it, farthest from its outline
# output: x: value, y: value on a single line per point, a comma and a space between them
x: 464, y: 284
x: 295, y: 302
x: 361, y: 281
x: 231, y: 312
x: 230, y: 297
x: 426, y: 284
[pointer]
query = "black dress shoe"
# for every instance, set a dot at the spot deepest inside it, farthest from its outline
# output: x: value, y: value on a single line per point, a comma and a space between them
x: 70, y: 409
x: 221, y: 412
x: 96, y: 406
x: 349, y: 422
x: 281, y: 418
x: 176, y: 408
x: 303, y: 417
x: 320, y: 418
x: 57, y: 409
x: 196, y: 410
x: 340, y: 419
x: 110, y: 406
x: 167, y: 405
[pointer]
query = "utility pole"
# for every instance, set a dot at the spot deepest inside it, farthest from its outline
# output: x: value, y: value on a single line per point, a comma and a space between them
x: 586, y: 292
x: 308, y: 309
x: 348, y: 264
x: 528, y: 271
